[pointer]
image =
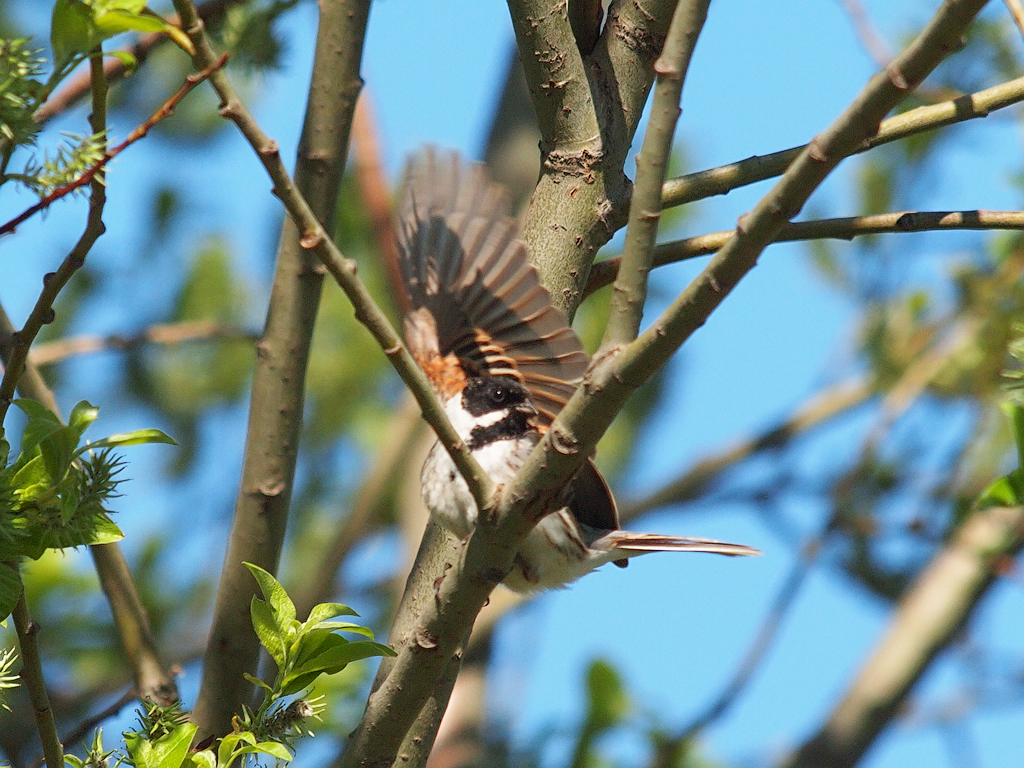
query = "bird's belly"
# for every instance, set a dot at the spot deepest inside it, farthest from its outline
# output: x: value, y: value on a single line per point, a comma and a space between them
x: 445, y: 492
x: 553, y: 555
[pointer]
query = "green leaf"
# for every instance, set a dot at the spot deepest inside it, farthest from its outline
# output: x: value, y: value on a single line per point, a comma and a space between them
x: 334, y: 657
x: 256, y: 681
x: 1015, y: 413
x: 116, y: 22
x: 36, y: 410
x: 131, y: 64
x: 269, y: 632
x: 82, y: 415
x: 325, y: 611
x: 10, y: 589
x: 272, y: 748
x: 273, y: 592
x: 226, y: 750
x: 58, y: 451
x: 204, y: 759
x: 72, y: 33
x: 607, y: 699
x: 169, y: 751
x: 83, y: 530
x: 31, y: 480
x: 128, y: 6
x: 1004, y: 492
x: 138, y: 437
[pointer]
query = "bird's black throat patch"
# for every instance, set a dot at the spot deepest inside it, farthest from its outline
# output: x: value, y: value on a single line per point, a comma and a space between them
x: 513, y: 426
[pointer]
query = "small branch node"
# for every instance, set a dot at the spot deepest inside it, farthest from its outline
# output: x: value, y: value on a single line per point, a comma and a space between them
x: 311, y: 239
x: 896, y: 77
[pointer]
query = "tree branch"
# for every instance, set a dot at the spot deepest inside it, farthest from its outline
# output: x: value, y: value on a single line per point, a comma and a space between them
x: 35, y: 684
x: 150, y: 679
x: 725, y: 178
x: 77, y: 88
x: 819, y: 409
x: 96, y: 172
x: 169, y: 334
x: 630, y: 293
x: 932, y: 612
x: 613, y: 378
x: 603, y: 272
x: 276, y: 407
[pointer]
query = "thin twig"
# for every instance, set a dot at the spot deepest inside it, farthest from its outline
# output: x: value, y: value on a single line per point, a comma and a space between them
x: 901, y: 222
x: 35, y: 684
x: 87, y: 726
x: 630, y: 295
x: 868, y: 34
x: 818, y: 410
x: 1016, y: 9
x: 77, y: 88
x: 725, y: 178
x: 763, y: 641
x: 164, y: 334
x: 140, y: 132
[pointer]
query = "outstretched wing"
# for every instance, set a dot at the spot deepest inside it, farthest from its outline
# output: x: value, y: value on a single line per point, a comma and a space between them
x: 473, y: 296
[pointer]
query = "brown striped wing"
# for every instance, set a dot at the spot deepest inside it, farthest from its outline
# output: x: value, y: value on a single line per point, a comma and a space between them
x: 471, y: 289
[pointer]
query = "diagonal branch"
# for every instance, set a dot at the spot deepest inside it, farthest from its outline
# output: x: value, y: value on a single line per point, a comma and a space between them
x: 724, y: 179
x: 426, y: 652
x: 603, y: 273
x: 627, y: 307
x: 96, y: 171
x: 613, y: 378
x: 928, y: 617
x: 276, y: 406
x: 823, y: 407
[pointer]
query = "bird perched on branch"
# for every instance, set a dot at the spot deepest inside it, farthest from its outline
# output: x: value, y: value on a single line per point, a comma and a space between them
x: 503, y: 362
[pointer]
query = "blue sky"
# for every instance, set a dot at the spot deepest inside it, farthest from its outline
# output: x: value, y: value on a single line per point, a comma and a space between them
x: 765, y: 76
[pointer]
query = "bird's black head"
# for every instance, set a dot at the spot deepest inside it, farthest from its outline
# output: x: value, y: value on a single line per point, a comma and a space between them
x: 490, y: 394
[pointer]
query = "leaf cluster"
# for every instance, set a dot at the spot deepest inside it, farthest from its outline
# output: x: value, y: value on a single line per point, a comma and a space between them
x: 302, y: 651
x: 53, y: 494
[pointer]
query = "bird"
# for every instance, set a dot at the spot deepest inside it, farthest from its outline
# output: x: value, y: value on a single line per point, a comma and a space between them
x: 503, y: 362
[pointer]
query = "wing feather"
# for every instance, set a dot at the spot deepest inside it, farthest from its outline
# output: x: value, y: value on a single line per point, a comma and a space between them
x: 461, y: 261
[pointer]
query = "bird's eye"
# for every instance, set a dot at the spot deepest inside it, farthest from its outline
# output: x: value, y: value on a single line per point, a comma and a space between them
x: 498, y: 395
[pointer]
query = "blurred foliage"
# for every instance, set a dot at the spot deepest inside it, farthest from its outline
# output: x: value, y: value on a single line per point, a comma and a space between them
x: 184, y: 382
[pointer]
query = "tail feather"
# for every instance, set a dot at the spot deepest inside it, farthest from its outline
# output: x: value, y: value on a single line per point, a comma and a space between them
x: 653, y: 542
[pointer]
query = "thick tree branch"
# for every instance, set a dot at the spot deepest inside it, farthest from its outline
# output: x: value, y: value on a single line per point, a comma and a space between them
x: 613, y: 378
x: 603, y: 273
x: 630, y: 293
x: 933, y: 611
x: 725, y: 178
x: 426, y: 651
x: 275, y: 414
x: 555, y: 74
